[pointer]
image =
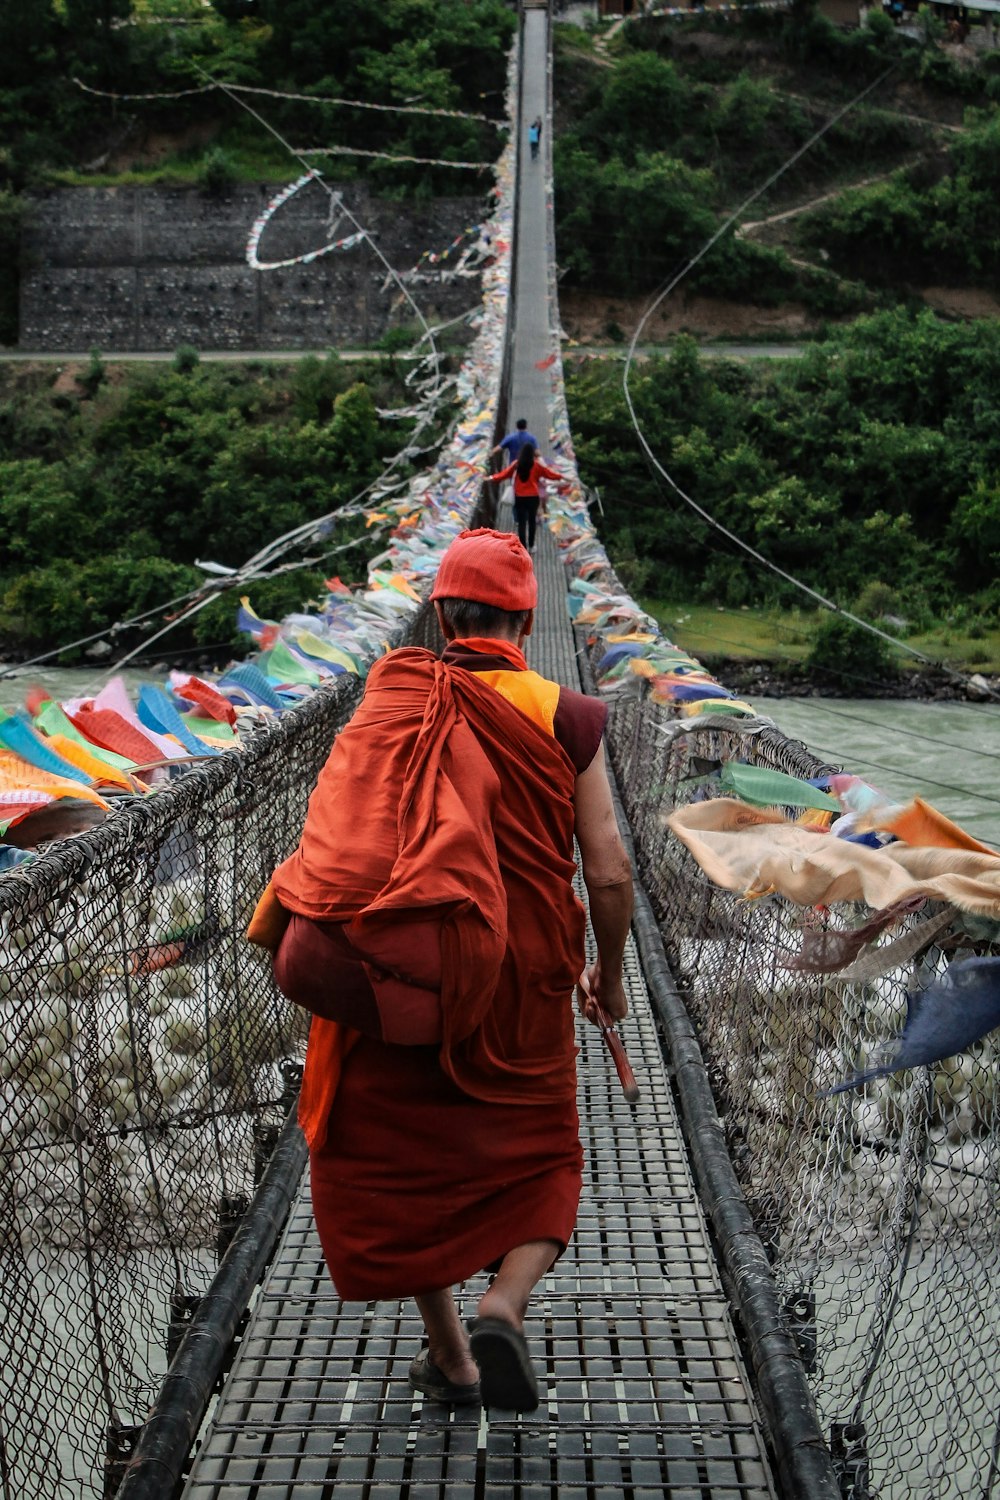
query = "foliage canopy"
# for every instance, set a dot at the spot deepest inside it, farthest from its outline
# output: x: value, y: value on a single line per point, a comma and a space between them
x: 107, y: 499
x: 873, y: 457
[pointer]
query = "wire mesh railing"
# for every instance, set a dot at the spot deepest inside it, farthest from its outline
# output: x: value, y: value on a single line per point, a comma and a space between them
x: 879, y: 1206
x: 148, y: 1063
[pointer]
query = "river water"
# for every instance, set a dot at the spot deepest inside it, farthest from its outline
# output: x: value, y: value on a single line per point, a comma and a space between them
x: 946, y: 752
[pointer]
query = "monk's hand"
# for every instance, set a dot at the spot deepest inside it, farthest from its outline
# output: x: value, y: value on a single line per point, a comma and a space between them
x: 614, y: 999
x: 595, y: 991
x: 585, y: 1002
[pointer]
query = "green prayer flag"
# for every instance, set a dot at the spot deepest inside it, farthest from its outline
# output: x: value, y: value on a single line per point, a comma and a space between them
x: 763, y: 788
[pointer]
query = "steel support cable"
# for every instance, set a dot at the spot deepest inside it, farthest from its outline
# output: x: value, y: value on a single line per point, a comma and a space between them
x: 97, y: 635
x: 880, y: 765
x: 240, y: 578
x: 909, y: 734
x: 211, y: 587
x: 706, y: 516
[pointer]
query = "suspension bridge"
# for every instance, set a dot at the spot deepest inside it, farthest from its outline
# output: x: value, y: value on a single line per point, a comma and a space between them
x: 751, y: 1304
x: 647, y: 1393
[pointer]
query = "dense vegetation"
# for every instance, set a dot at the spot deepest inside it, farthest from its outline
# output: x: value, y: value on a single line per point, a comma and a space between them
x: 870, y: 468
x: 933, y: 224
x: 111, y: 490
x: 653, y: 152
x: 873, y: 460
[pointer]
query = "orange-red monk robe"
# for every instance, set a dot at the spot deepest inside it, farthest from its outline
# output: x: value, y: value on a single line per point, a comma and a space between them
x: 429, y: 1163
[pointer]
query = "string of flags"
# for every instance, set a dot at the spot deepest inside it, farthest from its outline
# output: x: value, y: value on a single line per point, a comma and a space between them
x: 478, y: 249
x: 420, y: 161
x: 62, y: 765
x: 245, y: 88
x: 347, y: 242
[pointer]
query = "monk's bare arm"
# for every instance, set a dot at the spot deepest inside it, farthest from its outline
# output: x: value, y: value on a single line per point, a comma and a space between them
x: 607, y: 875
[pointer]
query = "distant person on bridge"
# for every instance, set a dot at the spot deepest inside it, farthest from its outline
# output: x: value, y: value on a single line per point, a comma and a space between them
x: 535, y: 136
x: 433, y: 1161
x: 515, y: 441
x: 528, y: 470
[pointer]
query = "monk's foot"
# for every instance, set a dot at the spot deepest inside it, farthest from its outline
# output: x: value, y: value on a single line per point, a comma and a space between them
x: 496, y: 1303
x: 507, y: 1378
x: 457, y: 1364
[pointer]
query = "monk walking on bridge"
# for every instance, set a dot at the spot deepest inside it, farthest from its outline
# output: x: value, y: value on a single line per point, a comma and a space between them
x: 438, y: 857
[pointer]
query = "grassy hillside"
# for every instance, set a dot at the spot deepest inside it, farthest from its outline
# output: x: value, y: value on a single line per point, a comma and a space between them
x: 667, y: 129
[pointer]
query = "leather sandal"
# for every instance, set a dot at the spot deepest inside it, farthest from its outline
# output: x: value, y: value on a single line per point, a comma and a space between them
x: 426, y: 1378
x: 506, y: 1375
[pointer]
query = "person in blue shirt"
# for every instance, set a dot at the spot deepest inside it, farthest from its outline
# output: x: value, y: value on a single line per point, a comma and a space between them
x: 535, y: 136
x: 515, y: 441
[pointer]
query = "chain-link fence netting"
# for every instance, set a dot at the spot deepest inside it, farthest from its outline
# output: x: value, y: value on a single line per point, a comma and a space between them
x: 148, y: 1062
x: 878, y: 1206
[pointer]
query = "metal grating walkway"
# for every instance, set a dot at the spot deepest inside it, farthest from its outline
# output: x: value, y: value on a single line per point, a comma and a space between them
x: 630, y: 1332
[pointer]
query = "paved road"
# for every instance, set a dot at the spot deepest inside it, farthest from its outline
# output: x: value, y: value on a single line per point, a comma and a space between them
x: 288, y: 356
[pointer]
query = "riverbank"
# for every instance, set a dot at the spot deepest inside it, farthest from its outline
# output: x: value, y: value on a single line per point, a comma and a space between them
x: 755, y: 679
x: 757, y: 652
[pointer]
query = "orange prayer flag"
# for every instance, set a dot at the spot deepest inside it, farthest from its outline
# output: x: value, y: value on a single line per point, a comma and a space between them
x: 920, y: 823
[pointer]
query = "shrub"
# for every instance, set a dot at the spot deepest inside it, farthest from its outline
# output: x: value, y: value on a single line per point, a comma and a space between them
x: 186, y: 359
x: 847, y: 655
x: 217, y: 173
x: 633, y: 573
x: 94, y: 375
x: 877, y: 600
x: 398, y: 338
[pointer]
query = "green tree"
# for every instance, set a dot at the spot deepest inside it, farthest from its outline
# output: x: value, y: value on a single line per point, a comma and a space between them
x: 98, y: 42
x: 28, y: 31
x: 975, y: 529
x: 847, y: 656
x: 642, y: 109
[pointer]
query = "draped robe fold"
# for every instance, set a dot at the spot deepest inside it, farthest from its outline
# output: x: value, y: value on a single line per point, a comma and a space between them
x: 429, y: 1163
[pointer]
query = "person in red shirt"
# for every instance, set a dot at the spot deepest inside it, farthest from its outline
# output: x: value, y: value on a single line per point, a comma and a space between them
x: 527, y: 470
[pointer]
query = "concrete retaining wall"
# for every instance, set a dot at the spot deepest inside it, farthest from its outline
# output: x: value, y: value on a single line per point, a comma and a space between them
x: 142, y: 268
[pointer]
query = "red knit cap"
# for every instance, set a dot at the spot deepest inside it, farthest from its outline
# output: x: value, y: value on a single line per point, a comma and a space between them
x: 490, y: 567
